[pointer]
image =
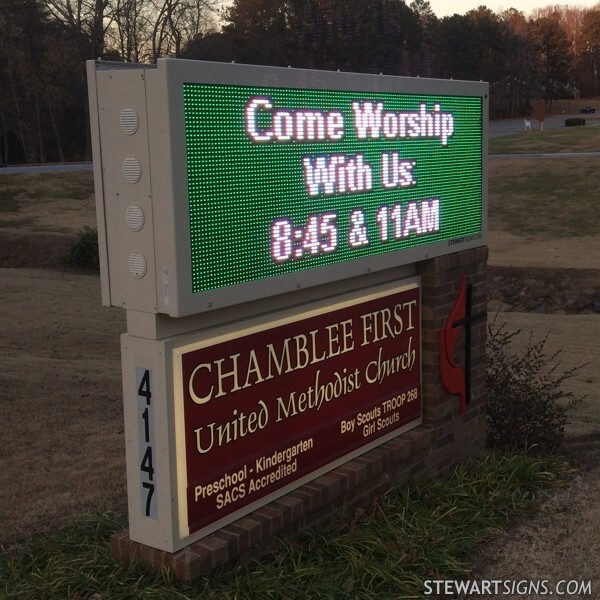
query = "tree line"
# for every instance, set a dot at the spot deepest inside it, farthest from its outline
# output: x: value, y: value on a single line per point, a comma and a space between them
x: 552, y: 53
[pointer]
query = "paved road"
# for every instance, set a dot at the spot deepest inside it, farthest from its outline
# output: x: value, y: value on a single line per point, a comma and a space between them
x: 86, y: 166
x: 542, y: 155
x: 510, y: 126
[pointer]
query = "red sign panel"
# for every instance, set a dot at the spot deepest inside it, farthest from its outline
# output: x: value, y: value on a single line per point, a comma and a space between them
x: 267, y: 409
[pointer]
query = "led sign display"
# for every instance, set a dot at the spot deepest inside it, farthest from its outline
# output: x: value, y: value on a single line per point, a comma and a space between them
x: 284, y: 179
x: 220, y: 184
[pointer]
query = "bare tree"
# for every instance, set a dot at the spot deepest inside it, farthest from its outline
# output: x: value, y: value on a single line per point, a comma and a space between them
x: 539, y: 110
x: 35, y: 61
x: 88, y: 21
x: 144, y: 30
x: 178, y: 22
x: 130, y: 31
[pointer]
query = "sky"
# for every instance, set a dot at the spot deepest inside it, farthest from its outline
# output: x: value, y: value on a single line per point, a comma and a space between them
x: 444, y: 8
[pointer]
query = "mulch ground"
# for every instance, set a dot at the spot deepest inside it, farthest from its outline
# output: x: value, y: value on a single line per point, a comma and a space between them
x: 544, y: 290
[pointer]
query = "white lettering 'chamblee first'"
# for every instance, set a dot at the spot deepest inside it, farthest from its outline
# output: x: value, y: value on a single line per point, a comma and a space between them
x: 286, y: 125
x: 235, y: 372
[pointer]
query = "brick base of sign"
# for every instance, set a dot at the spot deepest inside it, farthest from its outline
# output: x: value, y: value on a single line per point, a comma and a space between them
x: 444, y: 439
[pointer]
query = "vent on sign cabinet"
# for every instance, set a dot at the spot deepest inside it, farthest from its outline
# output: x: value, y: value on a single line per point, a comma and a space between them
x: 134, y: 217
x: 137, y: 265
x: 132, y: 169
x: 129, y: 121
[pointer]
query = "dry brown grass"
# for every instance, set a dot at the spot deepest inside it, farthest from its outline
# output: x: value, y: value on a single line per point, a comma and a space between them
x: 556, y: 197
x: 60, y: 399
x: 47, y: 202
x: 560, y: 544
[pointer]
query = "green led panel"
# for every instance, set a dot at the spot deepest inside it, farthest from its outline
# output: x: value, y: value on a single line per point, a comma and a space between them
x: 283, y: 180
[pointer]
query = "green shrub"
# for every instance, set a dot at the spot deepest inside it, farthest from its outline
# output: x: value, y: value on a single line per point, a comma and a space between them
x: 84, y: 254
x: 527, y: 407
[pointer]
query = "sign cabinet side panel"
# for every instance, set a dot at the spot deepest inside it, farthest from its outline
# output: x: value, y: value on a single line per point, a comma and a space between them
x: 126, y: 188
x: 98, y: 183
x: 149, y: 459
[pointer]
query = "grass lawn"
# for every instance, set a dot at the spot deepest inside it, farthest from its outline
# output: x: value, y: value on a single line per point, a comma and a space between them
x: 565, y: 139
x: 425, y: 531
x: 555, y: 197
x: 47, y: 202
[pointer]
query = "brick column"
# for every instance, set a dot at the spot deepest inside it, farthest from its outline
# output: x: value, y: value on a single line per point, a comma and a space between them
x: 440, y: 287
